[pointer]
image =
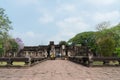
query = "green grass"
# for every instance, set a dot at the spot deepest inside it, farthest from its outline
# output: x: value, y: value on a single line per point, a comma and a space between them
x: 101, y: 63
x: 19, y: 63
x: 14, y: 63
x: 114, y: 63
x: 3, y: 63
x: 97, y: 63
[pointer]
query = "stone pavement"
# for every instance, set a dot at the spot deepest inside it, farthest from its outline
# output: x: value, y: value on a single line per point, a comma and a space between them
x: 60, y: 70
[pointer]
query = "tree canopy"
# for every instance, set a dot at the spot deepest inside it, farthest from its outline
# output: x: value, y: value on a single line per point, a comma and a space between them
x: 105, y: 41
x: 7, y: 43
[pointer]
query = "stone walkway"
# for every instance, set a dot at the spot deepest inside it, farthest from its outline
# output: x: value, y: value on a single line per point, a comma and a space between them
x: 60, y: 70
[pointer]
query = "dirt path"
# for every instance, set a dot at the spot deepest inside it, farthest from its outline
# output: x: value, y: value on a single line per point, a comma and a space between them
x: 60, y: 70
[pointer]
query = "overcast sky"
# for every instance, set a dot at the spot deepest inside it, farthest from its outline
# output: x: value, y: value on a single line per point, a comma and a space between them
x: 37, y: 22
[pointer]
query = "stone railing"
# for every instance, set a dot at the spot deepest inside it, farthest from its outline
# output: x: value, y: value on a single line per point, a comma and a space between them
x: 27, y: 61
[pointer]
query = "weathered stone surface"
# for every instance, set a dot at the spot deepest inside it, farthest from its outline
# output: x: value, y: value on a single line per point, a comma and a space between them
x: 60, y: 70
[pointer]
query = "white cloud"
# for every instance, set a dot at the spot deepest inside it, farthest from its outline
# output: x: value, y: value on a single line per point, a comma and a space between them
x: 62, y: 35
x: 66, y: 8
x: 69, y: 27
x: 46, y: 18
x: 25, y: 2
x: 72, y: 24
x: 103, y: 2
x: 30, y: 38
x: 30, y: 34
x: 113, y: 16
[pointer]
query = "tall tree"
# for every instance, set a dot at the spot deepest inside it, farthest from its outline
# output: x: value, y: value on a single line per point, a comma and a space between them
x: 4, y: 22
x: 5, y: 26
x: 63, y: 43
x: 14, y: 47
x: 102, y: 26
x: 105, y: 40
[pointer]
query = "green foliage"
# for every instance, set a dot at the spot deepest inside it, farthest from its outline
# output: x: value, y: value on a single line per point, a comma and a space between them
x: 1, y: 47
x: 116, y: 31
x: 1, y: 51
x: 101, y: 42
x: 106, y: 46
x: 4, y: 29
x: 117, y: 51
x: 63, y: 43
x: 82, y: 38
x: 102, y: 26
x: 105, y: 42
x: 14, y: 45
x: 1, y: 41
x: 4, y: 22
x: 6, y: 42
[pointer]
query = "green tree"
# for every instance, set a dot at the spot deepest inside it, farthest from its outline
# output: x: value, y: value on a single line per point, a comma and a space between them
x: 102, y: 26
x: 14, y: 47
x: 85, y: 38
x: 1, y: 47
x: 63, y: 43
x: 95, y: 40
x: 5, y: 26
x: 4, y: 22
x: 116, y: 30
x: 6, y: 43
x: 105, y: 40
x: 117, y: 51
x: 106, y: 46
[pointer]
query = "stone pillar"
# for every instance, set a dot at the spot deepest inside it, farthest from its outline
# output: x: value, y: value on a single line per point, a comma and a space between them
x: 63, y: 52
x: 52, y: 50
x: 14, y: 54
x: 69, y: 53
x: 26, y: 53
x: 46, y: 53
x: 31, y: 53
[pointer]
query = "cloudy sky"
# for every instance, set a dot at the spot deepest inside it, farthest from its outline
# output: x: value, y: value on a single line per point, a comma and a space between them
x: 37, y: 22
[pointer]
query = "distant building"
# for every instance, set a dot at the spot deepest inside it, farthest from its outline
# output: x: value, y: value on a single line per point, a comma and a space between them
x: 47, y: 50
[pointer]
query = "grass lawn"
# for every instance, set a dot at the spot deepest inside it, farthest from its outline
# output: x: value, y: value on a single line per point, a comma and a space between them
x: 101, y: 63
x: 14, y: 63
x: 97, y: 63
x: 114, y: 63
x: 3, y: 63
x: 19, y: 63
